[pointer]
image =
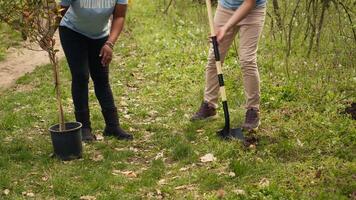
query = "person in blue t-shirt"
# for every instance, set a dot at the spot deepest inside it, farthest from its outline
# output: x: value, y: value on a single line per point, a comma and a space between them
x: 88, y: 37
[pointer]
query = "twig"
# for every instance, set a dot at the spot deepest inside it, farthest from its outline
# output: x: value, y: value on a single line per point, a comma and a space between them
x: 167, y: 8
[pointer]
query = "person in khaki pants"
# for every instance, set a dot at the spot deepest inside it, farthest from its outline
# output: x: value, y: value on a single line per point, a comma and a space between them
x: 245, y: 17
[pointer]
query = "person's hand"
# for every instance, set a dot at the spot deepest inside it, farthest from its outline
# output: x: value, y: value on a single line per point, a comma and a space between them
x: 106, y: 55
x: 220, y: 33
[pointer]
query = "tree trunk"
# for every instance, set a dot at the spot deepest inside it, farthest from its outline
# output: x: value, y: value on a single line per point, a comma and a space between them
x: 278, y: 14
x: 321, y: 22
x: 55, y: 66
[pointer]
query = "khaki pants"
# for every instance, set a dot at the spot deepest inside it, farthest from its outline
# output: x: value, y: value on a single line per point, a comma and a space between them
x: 249, y: 30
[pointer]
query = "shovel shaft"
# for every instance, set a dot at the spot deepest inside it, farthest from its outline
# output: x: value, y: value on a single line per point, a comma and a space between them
x: 218, y: 65
x: 219, y: 68
x: 210, y: 16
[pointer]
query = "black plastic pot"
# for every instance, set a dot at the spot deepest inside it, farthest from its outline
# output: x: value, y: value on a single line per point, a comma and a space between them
x: 67, y: 144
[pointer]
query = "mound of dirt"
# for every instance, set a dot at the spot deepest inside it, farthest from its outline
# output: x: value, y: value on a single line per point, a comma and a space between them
x: 351, y: 110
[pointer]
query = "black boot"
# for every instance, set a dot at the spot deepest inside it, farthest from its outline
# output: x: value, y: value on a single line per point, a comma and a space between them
x: 112, y: 127
x: 84, y: 118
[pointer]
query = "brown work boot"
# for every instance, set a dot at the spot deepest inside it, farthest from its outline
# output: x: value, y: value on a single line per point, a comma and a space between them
x: 252, y: 120
x: 206, y: 111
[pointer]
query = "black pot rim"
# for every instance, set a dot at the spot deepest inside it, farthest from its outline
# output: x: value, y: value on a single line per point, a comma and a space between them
x: 52, y: 130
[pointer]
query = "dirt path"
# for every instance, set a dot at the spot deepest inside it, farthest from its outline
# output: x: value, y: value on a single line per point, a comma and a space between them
x: 19, y: 62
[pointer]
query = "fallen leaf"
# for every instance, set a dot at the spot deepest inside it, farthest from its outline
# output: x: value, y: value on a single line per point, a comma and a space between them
x: 220, y: 193
x: 29, y: 194
x: 183, y: 169
x: 87, y: 198
x: 162, y: 182
x: 318, y: 173
x: 207, y: 158
x: 239, y: 192
x: 8, y: 139
x: 129, y: 174
x: 264, y: 183
x: 132, y: 129
x: 150, y: 195
x: 133, y: 149
x: 153, y: 113
x: 137, y: 76
x: 185, y: 187
x: 97, y: 157
x: 127, y: 116
x: 299, y: 143
x: 6, y: 192
x: 44, y: 178
x: 115, y: 172
x: 99, y: 137
x: 159, y: 155
x: 123, y: 103
x: 232, y: 174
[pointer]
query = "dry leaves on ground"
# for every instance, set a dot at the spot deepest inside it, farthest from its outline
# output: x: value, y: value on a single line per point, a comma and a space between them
x: 264, y: 183
x: 207, y: 158
x: 28, y: 194
x: 220, y: 193
x: 129, y: 174
x: 45, y: 178
x: 185, y: 187
x: 87, y: 197
x: 6, y: 192
x: 239, y: 192
x: 99, y: 137
x: 183, y: 169
x: 232, y: 174
x: 97, y: 157
x: 162, y: 182
x: 159, y: 156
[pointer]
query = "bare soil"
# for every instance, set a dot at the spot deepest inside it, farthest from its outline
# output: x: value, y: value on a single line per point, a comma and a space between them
x: 18, y: 62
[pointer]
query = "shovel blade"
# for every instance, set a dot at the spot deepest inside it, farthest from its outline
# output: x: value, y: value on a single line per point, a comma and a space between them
x: 235, y: 134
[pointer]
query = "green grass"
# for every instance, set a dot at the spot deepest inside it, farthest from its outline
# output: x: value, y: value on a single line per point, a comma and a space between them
x: 8, y: 38
x: 306, y: 151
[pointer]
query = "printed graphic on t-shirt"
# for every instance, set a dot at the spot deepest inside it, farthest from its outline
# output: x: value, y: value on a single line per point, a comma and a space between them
x: 97, y: 3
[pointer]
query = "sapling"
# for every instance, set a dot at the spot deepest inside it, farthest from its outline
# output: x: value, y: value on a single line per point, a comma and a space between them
x: 37, y: 20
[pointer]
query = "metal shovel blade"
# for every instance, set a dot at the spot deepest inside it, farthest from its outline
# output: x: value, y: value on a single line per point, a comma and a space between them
x: 235, y: 134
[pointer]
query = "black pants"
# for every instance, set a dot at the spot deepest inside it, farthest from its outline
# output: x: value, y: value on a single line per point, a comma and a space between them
x: 83, y: 59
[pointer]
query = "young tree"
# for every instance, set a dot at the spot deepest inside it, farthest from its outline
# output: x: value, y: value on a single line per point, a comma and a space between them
x: 37, y: 21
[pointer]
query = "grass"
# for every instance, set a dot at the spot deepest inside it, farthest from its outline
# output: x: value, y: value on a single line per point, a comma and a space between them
x: 8, y: 38
x: 306, y: 150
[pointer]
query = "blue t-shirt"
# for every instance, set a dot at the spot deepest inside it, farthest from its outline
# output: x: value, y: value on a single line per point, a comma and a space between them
x: 235, y: 4
x: 89, y: 17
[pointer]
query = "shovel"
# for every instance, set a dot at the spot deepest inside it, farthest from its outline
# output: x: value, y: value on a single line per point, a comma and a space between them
x: 226, y: 132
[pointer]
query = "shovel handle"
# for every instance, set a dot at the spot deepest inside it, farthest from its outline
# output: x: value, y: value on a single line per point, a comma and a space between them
x: 216, y: 51
x: 218, y: 66
x: 210, y: 16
